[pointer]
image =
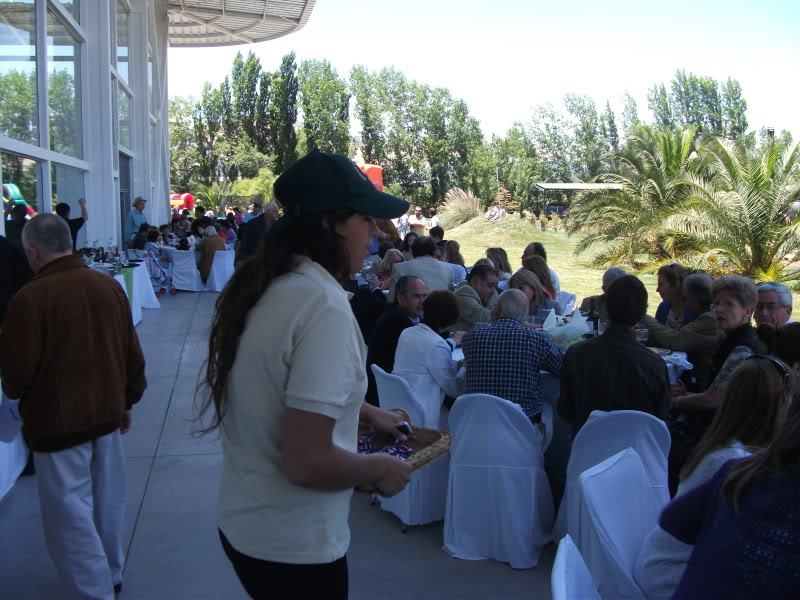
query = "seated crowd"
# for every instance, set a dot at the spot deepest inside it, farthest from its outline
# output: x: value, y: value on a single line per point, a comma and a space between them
x: 420, y: 303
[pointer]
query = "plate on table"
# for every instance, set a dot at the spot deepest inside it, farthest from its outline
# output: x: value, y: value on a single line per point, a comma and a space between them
x: 661, y: 351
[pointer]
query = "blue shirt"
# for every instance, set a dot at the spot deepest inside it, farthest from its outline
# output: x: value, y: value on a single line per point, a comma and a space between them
x: 504, y: 360
x: 135, y: 220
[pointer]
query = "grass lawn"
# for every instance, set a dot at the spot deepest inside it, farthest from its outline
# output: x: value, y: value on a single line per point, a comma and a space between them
x: 513, y: 234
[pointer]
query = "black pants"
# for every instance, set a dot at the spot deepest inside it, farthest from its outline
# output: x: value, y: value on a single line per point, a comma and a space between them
x: 263, y: 579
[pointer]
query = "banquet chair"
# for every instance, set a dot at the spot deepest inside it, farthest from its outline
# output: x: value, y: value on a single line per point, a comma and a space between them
x: 185, y: 275
x: 221, y: 270
x: 570, y: 578
x: 603, y: 435
x: 499, y: 504
x: 423, y: 499
x: 618, y: 509
x: 567, y: 302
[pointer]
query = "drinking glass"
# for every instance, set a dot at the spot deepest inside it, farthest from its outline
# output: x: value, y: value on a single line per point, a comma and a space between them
x: 642, y: 335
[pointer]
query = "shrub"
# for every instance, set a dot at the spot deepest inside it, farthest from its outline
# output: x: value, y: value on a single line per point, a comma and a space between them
x: 459, y: 207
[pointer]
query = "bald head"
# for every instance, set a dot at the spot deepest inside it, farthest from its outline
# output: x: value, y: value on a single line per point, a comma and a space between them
x: 45, y: 238
x: 511, y: 304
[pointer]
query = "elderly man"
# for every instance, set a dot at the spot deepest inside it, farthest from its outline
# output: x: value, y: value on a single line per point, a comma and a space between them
x: 505, y: 358
x: 135, y: 218
x: 434, y: 273
x: 614, y: 371
x: 476, y: 297
x: 206, y: 249
x: 77, y: 372
x: 598, y: 303
x: 252, y: 214
x: 405, y: 311
x: 774, y: 304
x: 699, y: 338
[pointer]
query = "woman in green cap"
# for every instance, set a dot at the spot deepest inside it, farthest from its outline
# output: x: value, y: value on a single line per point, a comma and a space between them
x: 286, y: 376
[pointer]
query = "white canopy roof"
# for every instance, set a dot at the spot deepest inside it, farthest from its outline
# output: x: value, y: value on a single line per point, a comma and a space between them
x: 194, y: 23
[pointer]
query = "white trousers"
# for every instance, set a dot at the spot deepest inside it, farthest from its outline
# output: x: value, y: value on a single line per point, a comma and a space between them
x: 82, y: 492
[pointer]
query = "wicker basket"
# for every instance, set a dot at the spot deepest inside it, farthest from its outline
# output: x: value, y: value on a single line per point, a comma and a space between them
x: 428, y: 445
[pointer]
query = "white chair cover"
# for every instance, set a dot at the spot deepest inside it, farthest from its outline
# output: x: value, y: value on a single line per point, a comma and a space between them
x: 603, y: 435
x: 570, y: 578
x: 567, y: 302
x: 221, y: 270
x: 498, y: 498
x: 618, y: 510
x: 423, y: 499
x: 185, y: 275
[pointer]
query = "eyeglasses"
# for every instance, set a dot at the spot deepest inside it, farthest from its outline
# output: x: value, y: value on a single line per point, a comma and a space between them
x: 724, y: 305
x: 782, y: 370
x: 768, y: 307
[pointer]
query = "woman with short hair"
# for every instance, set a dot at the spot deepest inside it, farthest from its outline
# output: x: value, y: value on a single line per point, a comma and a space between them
x: 286, y: 381
x: 390, y: 259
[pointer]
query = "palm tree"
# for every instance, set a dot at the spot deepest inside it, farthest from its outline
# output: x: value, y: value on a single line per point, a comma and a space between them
x: 735, y: 217
x: 651, y: 182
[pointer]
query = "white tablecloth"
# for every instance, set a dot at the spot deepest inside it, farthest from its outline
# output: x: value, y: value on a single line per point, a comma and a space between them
x: 13, y: 452
x: 143, y: 294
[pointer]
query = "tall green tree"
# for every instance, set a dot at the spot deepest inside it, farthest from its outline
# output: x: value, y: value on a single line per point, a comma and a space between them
x: 550, y: 133
x: 282, y: 113
x: 325, y: 100
x: 369, y: 110
x: 608, y: 130
x: 734, y: 107
x: 630, y: 115
x: 588, y: 143
x: 658, y: 101
x: 184, y: 157
x: 262, y: 133
x: 207, y: 119
x: 245, y: 79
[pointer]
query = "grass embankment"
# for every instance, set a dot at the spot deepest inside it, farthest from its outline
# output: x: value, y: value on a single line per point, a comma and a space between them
x: 513, y: 234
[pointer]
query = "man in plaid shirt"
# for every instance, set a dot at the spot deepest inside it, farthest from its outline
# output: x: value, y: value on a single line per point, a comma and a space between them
x: 505, y: 358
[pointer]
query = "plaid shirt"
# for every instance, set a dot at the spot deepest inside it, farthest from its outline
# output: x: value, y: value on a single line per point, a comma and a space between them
x: 505, y: 359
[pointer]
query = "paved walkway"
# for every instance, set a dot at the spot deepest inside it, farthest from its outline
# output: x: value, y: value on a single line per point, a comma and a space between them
x: 173, y: 552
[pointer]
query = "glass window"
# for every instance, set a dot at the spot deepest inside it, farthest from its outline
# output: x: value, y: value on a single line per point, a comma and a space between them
x: 18, y: 107
x: 122, y: 40
x: 21, y: 177
x: 63, y: 87
x: 67, y: 184
x: 73, y: 7
x: 124, y: 115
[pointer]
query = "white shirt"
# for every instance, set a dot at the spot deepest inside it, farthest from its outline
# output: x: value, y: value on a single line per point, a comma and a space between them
x: 301, y: 348
x: 556, y: 281
x: 435, y: 221
x: 417, y: 224
x: 425, y: 361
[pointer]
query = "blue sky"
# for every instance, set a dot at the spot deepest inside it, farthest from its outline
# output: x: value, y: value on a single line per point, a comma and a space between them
x: 504, y: 57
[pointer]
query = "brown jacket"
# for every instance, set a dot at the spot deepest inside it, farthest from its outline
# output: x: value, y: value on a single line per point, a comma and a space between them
x: 70, y: 353
x: 208, y: 247
x: 698, y: 339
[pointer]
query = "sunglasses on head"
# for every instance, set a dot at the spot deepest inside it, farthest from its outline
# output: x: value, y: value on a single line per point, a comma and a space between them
x: 782, y: 370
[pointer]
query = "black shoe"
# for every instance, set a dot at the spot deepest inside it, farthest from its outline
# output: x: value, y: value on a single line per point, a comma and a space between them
x: 117, y: 589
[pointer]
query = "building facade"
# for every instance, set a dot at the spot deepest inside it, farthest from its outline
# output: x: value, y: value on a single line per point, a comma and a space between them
x: 84, y: 101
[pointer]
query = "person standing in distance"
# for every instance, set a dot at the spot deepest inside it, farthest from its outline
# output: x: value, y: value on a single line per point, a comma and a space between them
x: 70, y: 354
x: 63, y: 211
x: 135, y: 218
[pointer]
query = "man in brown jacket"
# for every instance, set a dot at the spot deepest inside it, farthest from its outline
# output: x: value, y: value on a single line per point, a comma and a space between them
x: 70, y: 354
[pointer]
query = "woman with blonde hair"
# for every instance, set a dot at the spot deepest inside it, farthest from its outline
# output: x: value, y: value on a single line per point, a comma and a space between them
x: 537, y: 265
x: 452, y: 256
x: 390, y: 259
x: 752, y: 410
x: 529, y: 284
x: 499, y: 259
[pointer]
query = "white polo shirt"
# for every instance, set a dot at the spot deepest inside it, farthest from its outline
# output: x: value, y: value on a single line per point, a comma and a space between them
x: 301, y: 348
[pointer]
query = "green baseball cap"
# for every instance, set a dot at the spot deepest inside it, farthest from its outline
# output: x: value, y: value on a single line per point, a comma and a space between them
x: 321, y: 182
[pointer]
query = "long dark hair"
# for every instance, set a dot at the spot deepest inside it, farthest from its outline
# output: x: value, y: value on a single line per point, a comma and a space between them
x: 313, y: 236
